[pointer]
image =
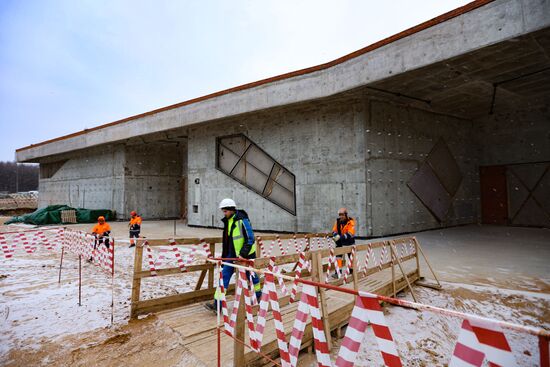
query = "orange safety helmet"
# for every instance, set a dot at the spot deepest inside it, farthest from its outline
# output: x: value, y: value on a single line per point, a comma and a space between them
x: 101, y: 218
x: 133, y: 212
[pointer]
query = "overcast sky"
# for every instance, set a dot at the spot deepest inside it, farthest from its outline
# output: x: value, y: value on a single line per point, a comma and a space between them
x: 70, y: 65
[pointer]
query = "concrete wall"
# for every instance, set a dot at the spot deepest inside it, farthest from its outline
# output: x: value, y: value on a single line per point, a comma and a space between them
x: 515, y: 137
x: 91, y: 178
x: 146, y: 178
x: 152, y: 180
x: 520, y: 140
x: 323, y: 145
x: 398, y: 141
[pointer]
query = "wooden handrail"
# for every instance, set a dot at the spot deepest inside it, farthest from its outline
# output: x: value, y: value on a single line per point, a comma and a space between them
x: 198, y: 294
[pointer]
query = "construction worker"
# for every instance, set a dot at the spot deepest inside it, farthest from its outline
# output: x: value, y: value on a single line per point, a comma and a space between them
x: 343, y: 232
x: 238, y: 242
x: 101, y: 232
x: 135, y: 227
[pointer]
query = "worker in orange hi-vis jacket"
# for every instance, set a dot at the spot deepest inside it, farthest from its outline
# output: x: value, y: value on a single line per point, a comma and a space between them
x: 343, y: 231
x: 135, y: 227
x: 101, y: 231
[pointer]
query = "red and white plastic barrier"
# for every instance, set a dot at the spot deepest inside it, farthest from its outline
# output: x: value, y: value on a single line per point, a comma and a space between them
x: 332, y: 264
x: 94, y: 250
x: 479, y: 339
x: 367, y: 310
x: 30, y: 240
x: 349, y: 263
x: 168, y: 254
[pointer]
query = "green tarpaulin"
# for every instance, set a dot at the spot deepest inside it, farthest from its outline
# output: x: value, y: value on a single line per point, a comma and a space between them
x: 52, y: 215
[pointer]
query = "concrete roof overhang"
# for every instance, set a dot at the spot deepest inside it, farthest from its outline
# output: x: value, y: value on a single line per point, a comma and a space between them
x: 475, y: 50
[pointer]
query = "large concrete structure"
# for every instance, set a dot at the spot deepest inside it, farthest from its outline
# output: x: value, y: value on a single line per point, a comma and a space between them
x: 400, y: 132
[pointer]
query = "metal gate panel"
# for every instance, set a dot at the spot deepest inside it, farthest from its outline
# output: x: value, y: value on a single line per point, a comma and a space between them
x: 529, y: 194
x: 529, y: 174
x: 517, y: 194
x: 542, y: 192
x: 445, y: 167
x: 427, y: 187
x: 531, y: 214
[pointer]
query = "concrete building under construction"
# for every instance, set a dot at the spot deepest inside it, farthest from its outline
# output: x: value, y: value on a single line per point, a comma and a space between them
x: 446, y: 123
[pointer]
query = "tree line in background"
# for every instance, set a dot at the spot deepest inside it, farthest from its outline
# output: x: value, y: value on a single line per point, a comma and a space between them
x: 18, y: 177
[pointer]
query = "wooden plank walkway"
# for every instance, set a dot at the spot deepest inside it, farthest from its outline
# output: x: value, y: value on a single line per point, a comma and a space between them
x: 198, y: 326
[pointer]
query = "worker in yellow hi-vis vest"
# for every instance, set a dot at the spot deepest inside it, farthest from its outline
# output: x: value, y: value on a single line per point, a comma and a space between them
x: 238, y: 242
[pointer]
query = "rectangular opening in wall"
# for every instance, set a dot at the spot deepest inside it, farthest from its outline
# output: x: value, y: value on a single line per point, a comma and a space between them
x: 245, y: 162
x: 47, y: 170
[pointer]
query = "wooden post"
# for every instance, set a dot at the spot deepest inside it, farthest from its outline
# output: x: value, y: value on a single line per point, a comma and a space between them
x: 402, y: 270
x: 417, y: 258
x: 393, y: 272
x: 317, y: 269
x: 61, y: 264
x: 201, y: 280
x: 425, y: 259
x: 212, y: 269
x: 238, y: 348
x: 80, y: 280
x: 136, y: 284
x: 355, y: 269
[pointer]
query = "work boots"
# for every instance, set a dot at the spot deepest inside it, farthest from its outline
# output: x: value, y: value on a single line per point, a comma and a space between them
x: 211, y: 306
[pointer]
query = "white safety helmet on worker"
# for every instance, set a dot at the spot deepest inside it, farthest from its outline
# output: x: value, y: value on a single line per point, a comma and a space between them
x: 227, y: 203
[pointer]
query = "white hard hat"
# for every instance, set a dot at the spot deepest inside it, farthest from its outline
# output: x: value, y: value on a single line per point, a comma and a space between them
x: 227, y: 203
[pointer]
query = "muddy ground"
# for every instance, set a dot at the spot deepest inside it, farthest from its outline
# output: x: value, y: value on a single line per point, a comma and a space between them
x: 497, y: 272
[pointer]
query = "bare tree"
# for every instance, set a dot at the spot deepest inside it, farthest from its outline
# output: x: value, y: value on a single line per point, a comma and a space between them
x: 18, y: 177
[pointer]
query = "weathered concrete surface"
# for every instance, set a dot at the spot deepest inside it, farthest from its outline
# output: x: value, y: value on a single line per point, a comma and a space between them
x: 398, y: 140
x: 322, y: 145
x: 500, y: 20
x: 146, y: 178
x: 89, y: 179
x: 515, y: 137
x: 153, y: 180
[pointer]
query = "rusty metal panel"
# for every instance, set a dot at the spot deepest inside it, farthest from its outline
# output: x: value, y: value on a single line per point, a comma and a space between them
x: 444, y: 165
x: 238, y: 144
x: 529, y: 192
x: 427, y: 187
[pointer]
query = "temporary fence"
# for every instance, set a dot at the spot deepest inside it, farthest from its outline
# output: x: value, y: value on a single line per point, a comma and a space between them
x: 171, y: 256
x: 97, y: 251
x: 380, y: 272
x: 479, y: 339
x: 30, y: 240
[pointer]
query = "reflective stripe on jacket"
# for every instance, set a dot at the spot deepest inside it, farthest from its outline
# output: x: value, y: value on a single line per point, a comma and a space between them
x: 346, y: 230
x: 238, y: 236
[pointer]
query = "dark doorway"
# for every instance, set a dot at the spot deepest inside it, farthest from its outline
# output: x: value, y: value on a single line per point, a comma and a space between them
x: 494, y: 195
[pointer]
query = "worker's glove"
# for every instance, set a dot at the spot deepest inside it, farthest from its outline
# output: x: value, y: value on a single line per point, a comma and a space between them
x: 336, y: 237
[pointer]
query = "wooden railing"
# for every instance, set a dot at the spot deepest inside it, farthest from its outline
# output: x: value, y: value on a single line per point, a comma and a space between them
x: 317, y: 274
x: 140, y: 307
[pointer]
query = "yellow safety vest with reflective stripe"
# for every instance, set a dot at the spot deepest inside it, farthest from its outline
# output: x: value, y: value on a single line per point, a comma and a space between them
x: 238, y: 237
